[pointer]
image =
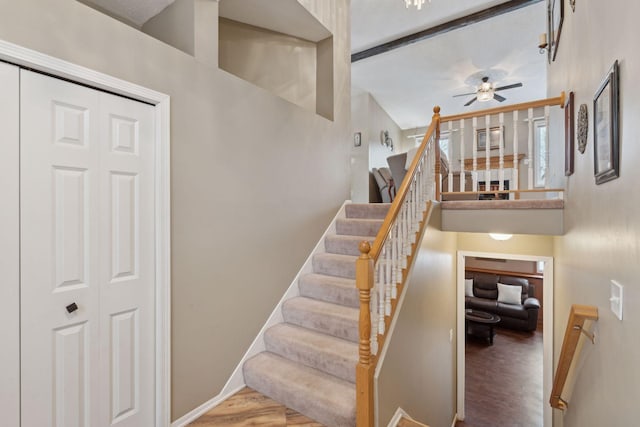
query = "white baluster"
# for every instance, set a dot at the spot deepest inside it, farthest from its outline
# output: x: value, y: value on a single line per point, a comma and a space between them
x: 390, y: 278
x: 515, y: 176
x: 449, y: 159
x: 398, y: 254
x: 380, y: 289
x: 462, y: 172
x: 374, y: 321
x: 474, y: 172
x: 530, y: 154
x: 501, y: 154
x: 546, y: 153
x: 487, y: 153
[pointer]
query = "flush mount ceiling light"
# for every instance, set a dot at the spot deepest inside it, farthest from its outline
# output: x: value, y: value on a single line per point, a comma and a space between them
x: 500, y: 236
x: 417, y: 3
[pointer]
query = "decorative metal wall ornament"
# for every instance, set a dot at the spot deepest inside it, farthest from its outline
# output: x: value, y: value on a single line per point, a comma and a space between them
x: 583, y: 128
x: 386, y: 140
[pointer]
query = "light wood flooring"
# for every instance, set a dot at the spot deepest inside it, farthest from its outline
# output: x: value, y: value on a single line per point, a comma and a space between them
x: 250, y: 408
x: 504, y: 381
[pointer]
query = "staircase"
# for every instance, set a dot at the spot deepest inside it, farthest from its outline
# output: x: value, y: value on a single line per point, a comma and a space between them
x: 310, y: 359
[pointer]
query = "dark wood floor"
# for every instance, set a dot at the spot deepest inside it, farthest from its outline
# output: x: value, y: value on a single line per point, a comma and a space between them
x: 250, y: 408
x: 504, y: 381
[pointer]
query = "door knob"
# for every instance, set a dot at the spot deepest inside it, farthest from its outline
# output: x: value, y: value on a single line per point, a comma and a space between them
x: 72, y: 307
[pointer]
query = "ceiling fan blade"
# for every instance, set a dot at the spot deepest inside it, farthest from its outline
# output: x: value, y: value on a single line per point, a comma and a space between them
x: 499, y: 98
x: 513, y: 86
x: 471, y: 102
x: 464, y: 94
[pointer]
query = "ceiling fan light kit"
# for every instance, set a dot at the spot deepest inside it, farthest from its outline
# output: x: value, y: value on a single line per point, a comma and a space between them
x: 487, y: 91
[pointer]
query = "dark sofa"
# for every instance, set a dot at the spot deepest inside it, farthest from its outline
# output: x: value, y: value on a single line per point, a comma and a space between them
x: 523, y: 316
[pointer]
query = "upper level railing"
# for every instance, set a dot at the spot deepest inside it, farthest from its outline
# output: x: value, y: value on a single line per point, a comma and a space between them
x: 575, y: 325
x: 382, y: 268
x: 494, y: 139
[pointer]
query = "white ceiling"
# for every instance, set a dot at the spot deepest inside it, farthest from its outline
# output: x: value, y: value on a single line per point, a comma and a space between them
x: 409, y: 81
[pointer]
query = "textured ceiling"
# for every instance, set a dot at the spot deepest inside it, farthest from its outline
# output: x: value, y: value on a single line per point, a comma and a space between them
x: 409, y: 81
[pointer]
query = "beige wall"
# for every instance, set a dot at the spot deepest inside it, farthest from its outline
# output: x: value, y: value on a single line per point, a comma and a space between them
x: 174, y: 25
x: 370, y: 120
x: 419, y: 370
x: 520, y: 244
x: 255, y: 179
x: 282, y: 64
x: 602, y: 240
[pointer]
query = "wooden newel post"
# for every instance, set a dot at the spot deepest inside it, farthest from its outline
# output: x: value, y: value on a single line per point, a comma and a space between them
x: 365, y: 367
x: 436, y: 119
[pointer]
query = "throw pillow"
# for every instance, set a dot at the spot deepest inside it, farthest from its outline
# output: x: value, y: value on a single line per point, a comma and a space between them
x: 468, y: 287
x: 509, y: 294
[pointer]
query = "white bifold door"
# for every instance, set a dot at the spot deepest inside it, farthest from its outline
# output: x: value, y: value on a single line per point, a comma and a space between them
x: 86, y: 256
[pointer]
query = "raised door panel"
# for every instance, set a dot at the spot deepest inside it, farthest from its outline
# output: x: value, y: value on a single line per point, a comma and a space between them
x: 127, y: 277
x: 59, y: 187
x: 9, y: 245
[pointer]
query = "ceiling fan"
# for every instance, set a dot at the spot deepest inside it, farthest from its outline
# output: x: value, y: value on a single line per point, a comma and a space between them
x: 486, y: 92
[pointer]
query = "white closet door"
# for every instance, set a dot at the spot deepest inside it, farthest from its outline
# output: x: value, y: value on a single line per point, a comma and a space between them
x: 127, y: 272
x: 9, y: 246
x: 86, y: 239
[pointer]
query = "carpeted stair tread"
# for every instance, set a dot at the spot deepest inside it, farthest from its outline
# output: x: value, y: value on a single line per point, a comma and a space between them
x: 322, y: 397
x: 332, y: 319
x: 328, y: 354
x: 367, y: 210
x: 344, y: 244
x: 335, y: 265
x: 358, y: 226
x: 336, y: 290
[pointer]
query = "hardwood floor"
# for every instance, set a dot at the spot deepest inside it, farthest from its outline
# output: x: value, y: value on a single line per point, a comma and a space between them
x: 504, y: 381
x: 250, y: 408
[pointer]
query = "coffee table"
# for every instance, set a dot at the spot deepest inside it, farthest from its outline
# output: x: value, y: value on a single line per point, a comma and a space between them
x: 480, y: 323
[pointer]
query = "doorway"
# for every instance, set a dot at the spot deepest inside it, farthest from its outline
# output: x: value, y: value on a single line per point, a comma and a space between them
x: 547, y: 344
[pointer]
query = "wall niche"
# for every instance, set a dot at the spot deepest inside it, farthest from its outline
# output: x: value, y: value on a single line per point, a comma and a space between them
x: 281, y: 47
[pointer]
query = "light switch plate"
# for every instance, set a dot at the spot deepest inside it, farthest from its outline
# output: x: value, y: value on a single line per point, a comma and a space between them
x: 616, y: 299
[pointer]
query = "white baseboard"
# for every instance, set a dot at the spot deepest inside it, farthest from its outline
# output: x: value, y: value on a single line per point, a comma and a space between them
x: 455, y: 420
x: 397, y: 417
x: 203, y: 409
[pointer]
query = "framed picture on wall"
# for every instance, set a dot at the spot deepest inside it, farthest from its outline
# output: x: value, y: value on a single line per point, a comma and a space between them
x: 494, y: 138
x: 606, y: 135
x: 555, y: 17
x: 569, y: 129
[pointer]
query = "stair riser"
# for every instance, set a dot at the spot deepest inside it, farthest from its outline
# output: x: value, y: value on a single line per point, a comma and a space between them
x: 330, y: 293
x: 336, y: 326
x: 372, y: 211
x: 345, y: 246
x: 358, y: 227
x: 338, y: 268
x: 341, y: 367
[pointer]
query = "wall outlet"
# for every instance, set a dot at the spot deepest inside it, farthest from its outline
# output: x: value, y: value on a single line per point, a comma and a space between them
x: 616, y: 299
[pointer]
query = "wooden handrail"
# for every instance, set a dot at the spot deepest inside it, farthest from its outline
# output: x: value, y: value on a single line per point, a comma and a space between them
x: 401, y: 193
x: 559, y: 100
x: 578, y: 315
x: 366, y: 264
